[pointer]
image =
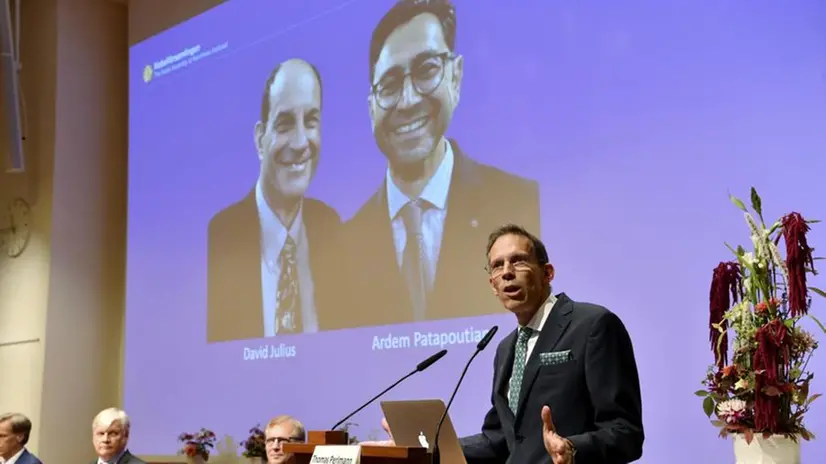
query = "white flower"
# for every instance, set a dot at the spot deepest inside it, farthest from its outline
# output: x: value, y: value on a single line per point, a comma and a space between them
x: 732, y: 406
x: 731, y: 410
x: 753, y: 227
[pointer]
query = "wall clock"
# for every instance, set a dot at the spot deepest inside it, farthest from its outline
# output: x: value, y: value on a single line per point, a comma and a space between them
x: 16, y: 231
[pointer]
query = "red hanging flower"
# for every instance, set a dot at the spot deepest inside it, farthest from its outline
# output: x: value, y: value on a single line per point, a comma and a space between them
x: 725, y: 285
x: 798, y: 256
x: 772, y: 353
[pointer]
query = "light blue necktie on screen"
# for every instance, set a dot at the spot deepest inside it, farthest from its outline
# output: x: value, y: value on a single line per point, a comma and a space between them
x: 519, y: 359
x: 413, y: 260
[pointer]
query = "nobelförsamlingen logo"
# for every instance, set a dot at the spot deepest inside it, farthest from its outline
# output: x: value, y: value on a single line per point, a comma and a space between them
x: 147, y: 74
x: 179, y: 60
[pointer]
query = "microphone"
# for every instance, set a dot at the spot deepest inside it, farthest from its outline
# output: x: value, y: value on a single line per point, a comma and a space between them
x: 419, y: 367
x: 434, y: 456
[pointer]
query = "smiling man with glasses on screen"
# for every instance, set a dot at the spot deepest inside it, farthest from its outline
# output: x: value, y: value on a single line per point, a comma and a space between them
x: 425, y: 221
x: 280, y: 430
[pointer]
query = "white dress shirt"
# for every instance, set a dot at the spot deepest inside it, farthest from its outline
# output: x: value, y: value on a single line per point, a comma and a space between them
x: 536, y: 323
x: 433, y: 217
x: 14, y: 458
x: 273, y: 238
x: 113, y: 461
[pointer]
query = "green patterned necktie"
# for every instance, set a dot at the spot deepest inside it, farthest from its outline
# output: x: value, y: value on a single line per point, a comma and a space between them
x: 519, y: 358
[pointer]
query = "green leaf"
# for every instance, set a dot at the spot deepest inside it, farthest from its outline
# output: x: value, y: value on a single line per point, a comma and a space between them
x: 702, y: 393
x: 818, y: 291
x: 812, y: 398
x: 737, y: 202
x: 708, y: 406
x: 813, y: 221
x: 789, y: 323
x: 820, y: 324
x: 757, y: 203
x: 740, y: 250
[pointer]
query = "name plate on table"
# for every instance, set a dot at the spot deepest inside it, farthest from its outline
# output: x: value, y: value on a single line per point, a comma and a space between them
x: 336, y: 454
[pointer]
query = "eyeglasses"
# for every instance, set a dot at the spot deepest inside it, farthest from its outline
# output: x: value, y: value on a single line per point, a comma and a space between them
x: 278, y: 441
x: 518, y: 263
x: 426, y: 73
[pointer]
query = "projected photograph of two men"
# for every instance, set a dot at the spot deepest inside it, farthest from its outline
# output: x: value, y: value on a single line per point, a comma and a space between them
x: 312, y: 185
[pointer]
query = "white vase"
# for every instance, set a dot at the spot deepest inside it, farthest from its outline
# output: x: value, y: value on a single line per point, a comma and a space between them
x: 775, y: 449
x: 255, y: 460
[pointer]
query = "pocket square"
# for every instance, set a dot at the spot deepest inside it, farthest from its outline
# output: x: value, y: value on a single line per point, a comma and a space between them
x: 552, y: 358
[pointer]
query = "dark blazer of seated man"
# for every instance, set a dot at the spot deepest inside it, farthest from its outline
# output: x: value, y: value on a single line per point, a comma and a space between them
x: 15, y: 429
x: 272, y: 255
x: 565, y: 381
x: 420, y: 231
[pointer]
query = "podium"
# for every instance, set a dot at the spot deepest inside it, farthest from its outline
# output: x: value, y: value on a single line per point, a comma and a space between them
x: 302, y: 452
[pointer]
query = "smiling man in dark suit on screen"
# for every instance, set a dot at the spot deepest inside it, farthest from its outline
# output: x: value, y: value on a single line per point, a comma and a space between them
x: 270, y: 254
x: 429, y: 215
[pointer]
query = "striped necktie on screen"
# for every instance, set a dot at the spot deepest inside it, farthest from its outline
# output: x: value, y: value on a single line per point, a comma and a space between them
x: 414, y: 266
x: 519, y: 358
x: 288, y: 315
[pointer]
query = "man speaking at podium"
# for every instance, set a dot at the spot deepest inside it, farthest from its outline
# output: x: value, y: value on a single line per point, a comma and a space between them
x: 565, y: 381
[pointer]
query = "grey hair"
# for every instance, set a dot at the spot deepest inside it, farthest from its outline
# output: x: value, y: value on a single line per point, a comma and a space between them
x: 298, y: 428
x: 20, y: 424
x: 109, y: 416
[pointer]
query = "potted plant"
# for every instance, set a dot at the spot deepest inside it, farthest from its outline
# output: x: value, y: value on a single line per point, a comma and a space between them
x: 197, y: 446
x: 255, y: 446
x: 760, y: 391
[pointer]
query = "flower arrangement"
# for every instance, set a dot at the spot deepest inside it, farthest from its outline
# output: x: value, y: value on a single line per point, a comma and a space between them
x: 761, y: 298
x: 255, y: 446
x: 197, y: 444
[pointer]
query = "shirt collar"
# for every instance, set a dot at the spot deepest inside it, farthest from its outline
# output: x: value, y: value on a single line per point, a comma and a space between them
x: 275, y: 233
x: 435, y: 192
x: 114, y: 460
x: 16, y: 456
x: 537, y: 322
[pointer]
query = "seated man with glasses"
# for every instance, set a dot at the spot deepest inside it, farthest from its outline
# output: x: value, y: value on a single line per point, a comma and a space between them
x: 280, y: 430
x: 428, y: 217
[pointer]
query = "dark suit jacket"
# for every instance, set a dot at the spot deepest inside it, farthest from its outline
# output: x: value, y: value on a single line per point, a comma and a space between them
x: 594, y: 398
x: 235, y: 309
x: 480, y: 199
x: 126, y: 458
x: 28, y: 458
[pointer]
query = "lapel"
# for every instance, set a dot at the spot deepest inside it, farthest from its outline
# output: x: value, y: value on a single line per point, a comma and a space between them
x: 381, y: 239
x: 249, y: 251
x: 461, y: 221
x: 124, y: 458
x: 555, y: 326
x: 503, y: 371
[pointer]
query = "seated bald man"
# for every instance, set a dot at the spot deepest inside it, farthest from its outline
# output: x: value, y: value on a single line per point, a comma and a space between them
x: 110, y: 435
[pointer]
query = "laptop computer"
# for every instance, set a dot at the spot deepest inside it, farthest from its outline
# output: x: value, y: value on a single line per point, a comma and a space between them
x: 413, y: 424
